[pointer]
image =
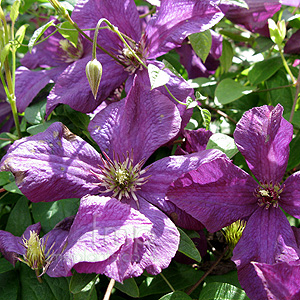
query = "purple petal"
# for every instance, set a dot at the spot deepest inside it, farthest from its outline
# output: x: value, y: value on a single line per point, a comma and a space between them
x: 112, y: 238
x: 141, y: 123
x: 293, y: 44
x: 176, y: 20
x: 53, y: 165
x: 263, y: 136
x: 267, y: 238
x: 123, y: 14
x: 290, y: 197
x: 72, y: 86
x: 255, y: 18
x: 217, y: 193
x: 163, y: 172
x: 297, y: 235
x: 11, y: 246
x: 281, y: 280
x: 291, y: 2
x: 29, y: 83
x: 195, y: 140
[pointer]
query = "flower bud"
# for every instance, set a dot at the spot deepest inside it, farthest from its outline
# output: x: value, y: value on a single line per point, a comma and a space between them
x: 58, y: 7
x: 93, y: 71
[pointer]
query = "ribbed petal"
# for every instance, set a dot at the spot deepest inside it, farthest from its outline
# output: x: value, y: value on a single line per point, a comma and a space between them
x: 29, y: 83
x: 11, y: 246
x: 111, y: 238
x: 267, y: 238
x: 263, y: 136
x: 255, y: 18
x: 72, y: 86
x: 217, y: 193
x: 121, y: 13
x: 176, y: 20
x: 290, y: 197
x: 53, y: 165
x: 281, y: 280
x: 141, y: 123
x: 163, y: 172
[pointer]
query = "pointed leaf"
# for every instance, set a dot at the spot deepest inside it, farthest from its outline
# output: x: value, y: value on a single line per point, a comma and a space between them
x: 5, y: 52
x: 224, y: 143
x: 229, y: 90
x: 187, y: 246
x: 38, y: 33
x: 178, y: 295
x: 69, y: 32
x: 157, y: 76
x: 222, y: 291
x: 20, y: 34
x: 79, y: 281
x: 201, y: 43
x: 15, y: 10
x: 206, y: 116
x: 128, y: 287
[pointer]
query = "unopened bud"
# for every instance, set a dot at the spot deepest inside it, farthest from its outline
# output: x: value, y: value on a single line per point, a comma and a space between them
x: 277, y: 31
x: 93, y: 71
x: 58, y: 7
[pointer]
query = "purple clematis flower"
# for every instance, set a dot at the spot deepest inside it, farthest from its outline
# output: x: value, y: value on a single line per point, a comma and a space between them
x: 38, y: 253
x: 120, y: 233
x: 221, y: 193
x: 256, y: 17
x: 281, y: 280
x: 164, y: 31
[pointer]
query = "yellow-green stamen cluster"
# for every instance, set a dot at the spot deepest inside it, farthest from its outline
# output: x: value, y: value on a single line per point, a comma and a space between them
x: 268, y: 194
x: 35, y: 256
x: 232, y: 234
x: 123, y: 179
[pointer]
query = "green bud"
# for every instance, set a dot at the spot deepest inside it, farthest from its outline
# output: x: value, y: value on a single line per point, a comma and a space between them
x: 59, y: 8
x: 277, y: 31
x: 93, y: 71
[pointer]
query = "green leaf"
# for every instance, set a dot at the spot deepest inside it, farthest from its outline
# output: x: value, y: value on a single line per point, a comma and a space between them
x: 13, y: 188
x: 229, y: 90
x: 187, y: 247
x: 5, y: 265
x: 222, y: 291
x: 224, y: 143
x: 19, y: 218
x: 201, y: 43
x: 157, y: 76
x: 263, y: 70
x: 128, y: 287
x: 86, y: 295
x: 20, y: 34
x: 38, y: 33
x: 51, y: 213
x: 14, y: 13
x: 69, y: 32
x: 206, y: 116
x: 5, y: 178
x: 294, y: 158
x: 40, y: 127
x: 178, y: 295
x: 50, y: 288
x: 9, y: 285
x: 277, y: 31
x: 79, y: 119
x: 227, y: 56
x: 35, y: 113
x: 5, y: 52
x: 180, y: 277
x: 79, y: 281
x: 283, y: 96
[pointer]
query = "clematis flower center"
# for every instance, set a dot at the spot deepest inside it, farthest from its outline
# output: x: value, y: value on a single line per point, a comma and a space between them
x: 69, y: 52
x: 123, y: 179
x: 128, y: 58
x: 35, y: 256
x: 268, y: 194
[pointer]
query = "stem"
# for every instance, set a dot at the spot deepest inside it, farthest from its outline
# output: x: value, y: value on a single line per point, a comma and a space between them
x: 296, y: 98
x: 182, y: 103
x: 87, y: 37
x: 274, y: 88
x: 152, y: 11
x: 109, y: 289
x: 167, y: 282
x: 286, y: 65
x: 188, y: 292
x: 37, y: 273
